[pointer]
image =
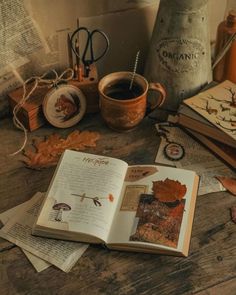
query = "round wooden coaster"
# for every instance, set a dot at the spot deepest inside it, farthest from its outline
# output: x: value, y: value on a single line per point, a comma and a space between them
x: 64, y: 106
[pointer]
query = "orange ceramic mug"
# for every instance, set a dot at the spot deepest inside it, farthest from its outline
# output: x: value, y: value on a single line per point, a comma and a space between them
x: 123, y: 104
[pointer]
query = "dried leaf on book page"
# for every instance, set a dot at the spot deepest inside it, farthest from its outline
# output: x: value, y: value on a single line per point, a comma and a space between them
x: 169, y: 190
x: 47, y: 152
x: 228, y: 183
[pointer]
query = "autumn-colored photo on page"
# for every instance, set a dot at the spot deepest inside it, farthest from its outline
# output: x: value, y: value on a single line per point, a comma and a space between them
x: 159, y: 215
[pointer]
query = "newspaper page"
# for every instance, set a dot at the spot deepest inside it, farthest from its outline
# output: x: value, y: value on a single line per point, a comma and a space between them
x: 196, y: 158
x: 62, y: 254
x: 38, y: 263
x: 19, y: 35
x: 20, y: 40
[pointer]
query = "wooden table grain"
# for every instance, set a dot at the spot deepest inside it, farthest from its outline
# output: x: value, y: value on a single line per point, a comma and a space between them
x: 209, y: 269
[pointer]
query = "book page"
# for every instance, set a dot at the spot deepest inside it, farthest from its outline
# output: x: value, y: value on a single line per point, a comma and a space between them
x: 38, y: 263
x: 62, y: 254
x: 155, y: 207
x: 87, y: 187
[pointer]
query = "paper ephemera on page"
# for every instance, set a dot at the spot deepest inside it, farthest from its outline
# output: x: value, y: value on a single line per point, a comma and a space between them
x: 156, y: 213
x: 62, y: 254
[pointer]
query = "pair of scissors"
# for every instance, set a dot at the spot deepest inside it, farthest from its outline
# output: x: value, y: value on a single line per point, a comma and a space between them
x: 88, y: 56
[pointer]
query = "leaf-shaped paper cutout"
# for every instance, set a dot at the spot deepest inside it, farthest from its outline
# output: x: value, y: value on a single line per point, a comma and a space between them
x: 228, y: 183
x: 139, y: 172
x: 169, y: 190
x: 48, y: 151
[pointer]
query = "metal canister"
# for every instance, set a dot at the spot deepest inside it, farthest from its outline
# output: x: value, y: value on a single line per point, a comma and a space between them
x: 179, y: 54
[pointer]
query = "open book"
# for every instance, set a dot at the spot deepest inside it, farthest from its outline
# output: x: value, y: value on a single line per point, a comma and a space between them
x: 98, y: 199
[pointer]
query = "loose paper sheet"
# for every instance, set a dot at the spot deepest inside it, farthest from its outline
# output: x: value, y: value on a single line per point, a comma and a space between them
x: 63, y: 254
x: 196, y: 158
x: 19, y: 35
x: 38, y: 263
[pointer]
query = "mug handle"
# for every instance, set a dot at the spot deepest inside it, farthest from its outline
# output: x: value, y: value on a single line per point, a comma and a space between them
x: 161, y: 98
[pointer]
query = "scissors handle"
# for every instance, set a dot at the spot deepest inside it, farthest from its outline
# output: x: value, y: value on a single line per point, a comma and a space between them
x: 89, y: 45
x: 92, y: 34
x: 88, y: 54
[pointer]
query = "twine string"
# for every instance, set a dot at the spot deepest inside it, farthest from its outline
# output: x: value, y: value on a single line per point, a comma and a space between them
x: 38, y: 82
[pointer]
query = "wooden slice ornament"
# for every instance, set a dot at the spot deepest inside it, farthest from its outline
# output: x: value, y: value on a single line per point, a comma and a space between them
x: 64, y: 106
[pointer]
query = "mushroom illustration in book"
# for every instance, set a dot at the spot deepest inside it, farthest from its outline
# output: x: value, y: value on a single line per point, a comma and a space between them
x: 60, y: 207
x: 96, y: 200
x: 160, y: 214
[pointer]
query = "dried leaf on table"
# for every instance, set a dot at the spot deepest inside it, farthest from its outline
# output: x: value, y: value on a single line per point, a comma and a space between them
x: 169, y: 190
x: 228, y: 183
x: 233, y: 214
x: 47, y: 152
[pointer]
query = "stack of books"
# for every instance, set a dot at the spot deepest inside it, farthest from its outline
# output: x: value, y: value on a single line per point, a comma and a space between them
x: 210, y: 117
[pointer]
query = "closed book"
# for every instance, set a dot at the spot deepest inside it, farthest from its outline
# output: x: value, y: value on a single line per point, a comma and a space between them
x: 217, y: 105
x: 190, y: 119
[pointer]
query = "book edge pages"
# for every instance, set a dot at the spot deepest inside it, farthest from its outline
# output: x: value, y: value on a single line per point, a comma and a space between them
x: 207, y: 129
x: 188, y: 232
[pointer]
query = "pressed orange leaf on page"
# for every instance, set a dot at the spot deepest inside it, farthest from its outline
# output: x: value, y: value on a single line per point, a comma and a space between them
x: 169, y: 190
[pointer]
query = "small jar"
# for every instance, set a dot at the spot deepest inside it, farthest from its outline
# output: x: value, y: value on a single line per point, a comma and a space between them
x: 226, y: 67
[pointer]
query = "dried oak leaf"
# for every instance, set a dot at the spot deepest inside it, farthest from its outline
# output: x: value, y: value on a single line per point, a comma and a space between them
x: 228, y: 183
x: 80, y: 140
x: 169, y: 190
x: 47, y: 152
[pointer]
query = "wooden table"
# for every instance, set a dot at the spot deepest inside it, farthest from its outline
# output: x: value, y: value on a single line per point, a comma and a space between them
x: 210, y: 267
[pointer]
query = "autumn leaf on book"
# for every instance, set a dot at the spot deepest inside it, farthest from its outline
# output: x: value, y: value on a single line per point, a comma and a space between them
x: 169, y: 190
